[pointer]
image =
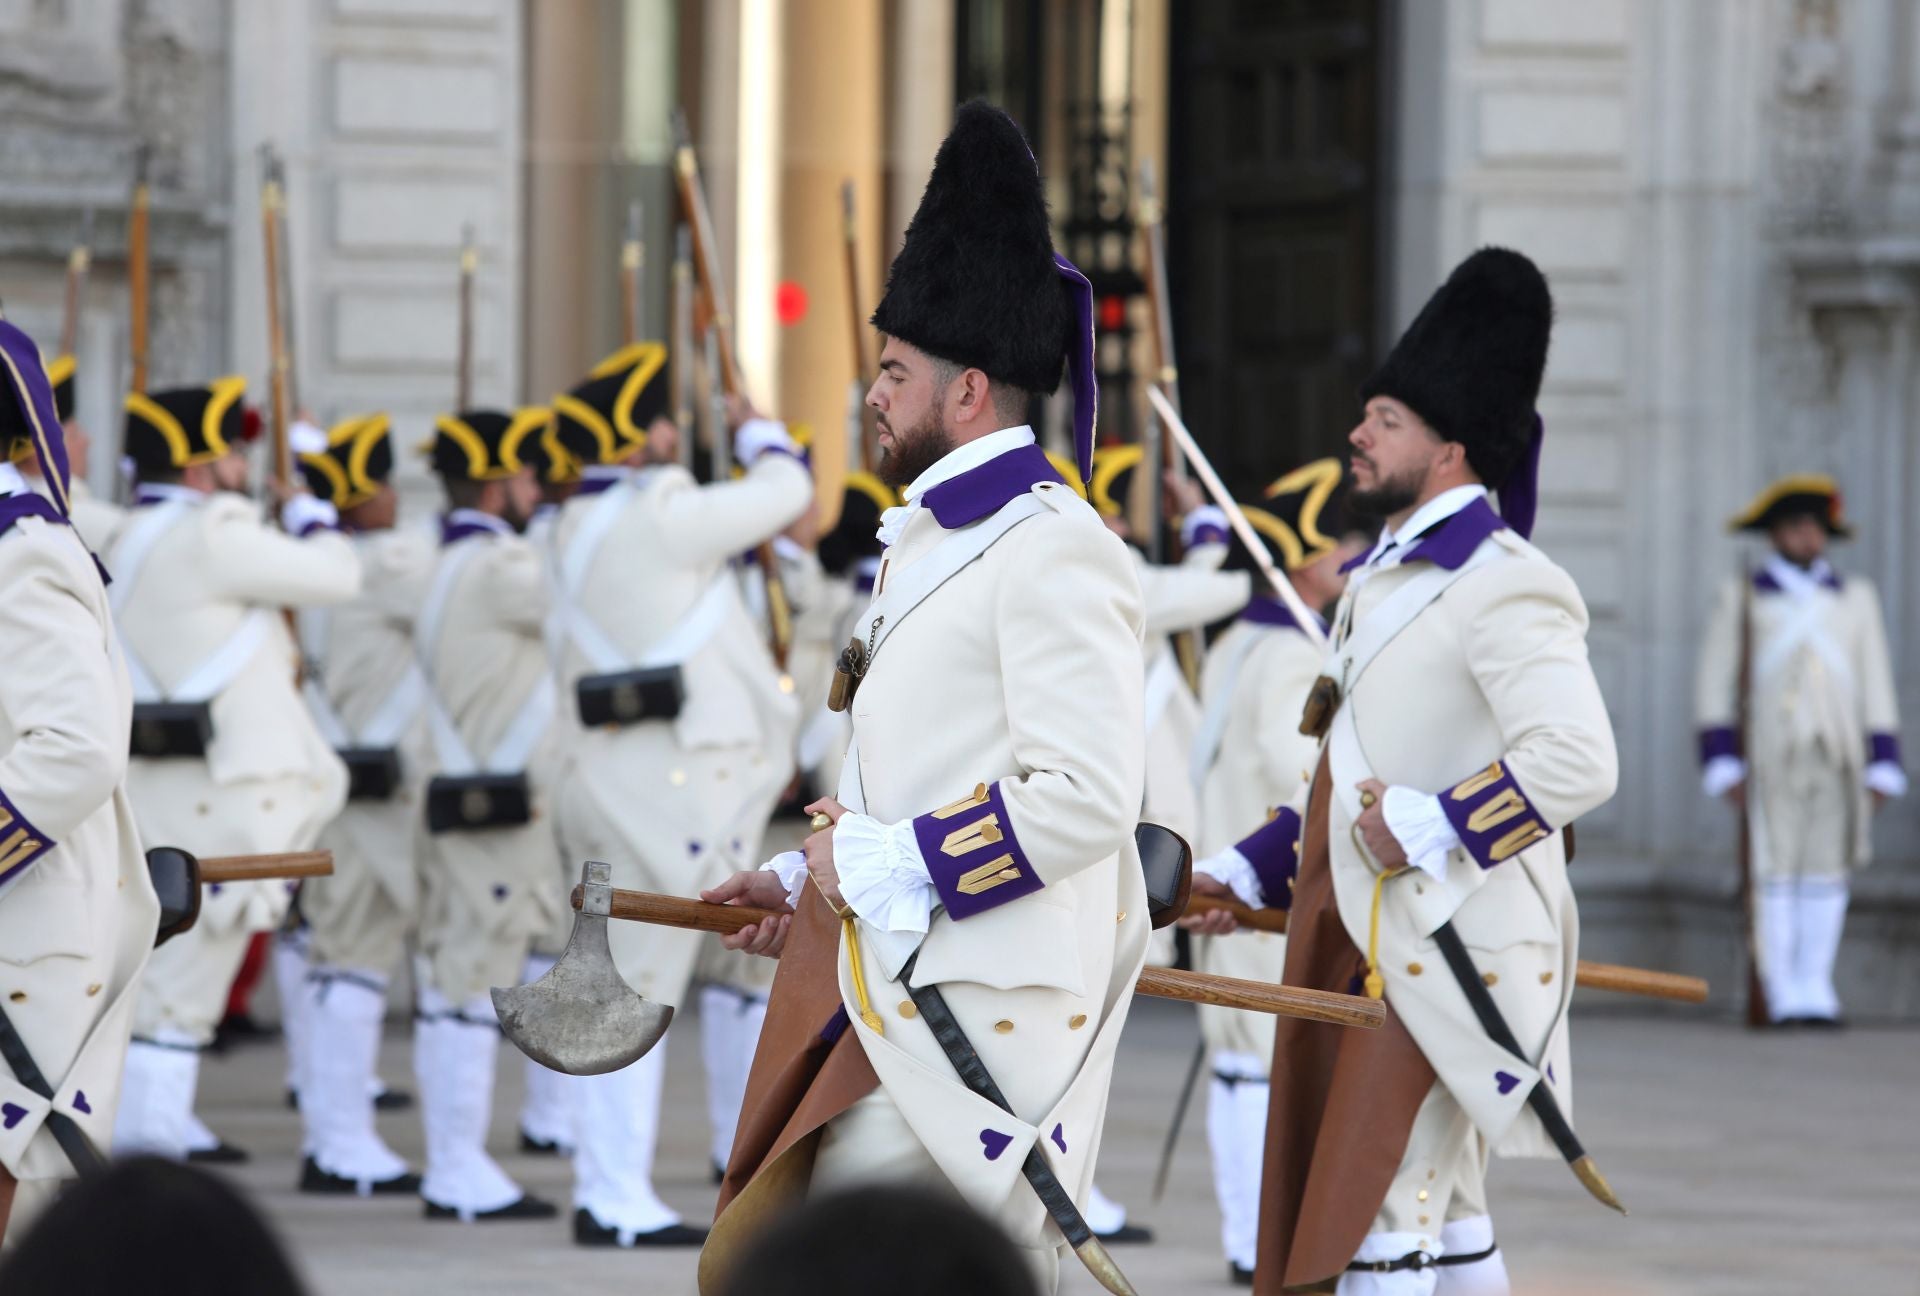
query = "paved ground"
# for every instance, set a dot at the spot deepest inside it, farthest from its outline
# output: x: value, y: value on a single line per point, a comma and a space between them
x: 1754, y: 1165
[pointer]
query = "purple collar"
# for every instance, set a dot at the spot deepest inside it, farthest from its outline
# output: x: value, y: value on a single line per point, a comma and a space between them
x: 1764, y: 583
x: 1267, y: 610
x: 977, y: 492
x: 451, y: 532
x: 1450, y: 542
x: 26, y: 505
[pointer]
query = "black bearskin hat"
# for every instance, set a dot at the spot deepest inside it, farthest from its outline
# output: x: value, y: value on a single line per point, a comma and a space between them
x: 1470, y: 364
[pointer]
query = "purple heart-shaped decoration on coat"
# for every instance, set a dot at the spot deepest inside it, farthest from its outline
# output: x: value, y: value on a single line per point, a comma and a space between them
x: 500, y: 891
x: 1059, y: 1137
x: 215, y: 888
x: 992, y: 1140
x: 1550, y: 1075
x: 693, y: 848
x: 1505, y: 1081
x: 11, y: 1114
x: 80, y: 1102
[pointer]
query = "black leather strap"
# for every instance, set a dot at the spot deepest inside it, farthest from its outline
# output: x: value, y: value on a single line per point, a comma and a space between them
x: 86, y: 1161
x: 973, y: 1073
x: 1473, y: 1258
x: 1413, y: 1260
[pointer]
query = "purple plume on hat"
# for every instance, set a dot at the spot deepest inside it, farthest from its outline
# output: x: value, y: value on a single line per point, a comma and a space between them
x: 33, y: 395
x: 1086, y: 388
x: 1520, y: 493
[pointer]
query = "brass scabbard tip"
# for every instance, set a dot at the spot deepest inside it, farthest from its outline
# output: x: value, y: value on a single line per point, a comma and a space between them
x: 1094, y: 1256
x: 1596, y: 1183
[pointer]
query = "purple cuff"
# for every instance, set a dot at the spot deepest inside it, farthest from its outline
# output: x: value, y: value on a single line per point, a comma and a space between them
x: 20, y: 842
x: 799, y: 456
x: 1883, y: 747
x: 1720, y: 741
x: 972, y: 855
x: 1492, y: 815
x: 312, y: 527
x: 1208, y: 534
x: 1274, y: 851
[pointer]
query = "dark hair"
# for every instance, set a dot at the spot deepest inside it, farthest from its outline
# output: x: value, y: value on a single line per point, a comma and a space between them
x: 881, y: 1239
x: 147, y: 1225
x: 462, y: 493
x: 1008, y: 400
x: 162, y: 476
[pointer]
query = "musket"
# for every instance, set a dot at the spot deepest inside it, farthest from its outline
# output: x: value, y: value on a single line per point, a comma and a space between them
x: 681, y: 354
x: 280, y: 395
x: 1758, y: 1017
x: 1588, y: 975
x: 469, y: 263
x: 138, y: 270
x: 1159, y: 455
x: 706, y: 265
x: 1308, y: 622
x: 633, y: 259
x: 79, y: 262
x: 862, y: 433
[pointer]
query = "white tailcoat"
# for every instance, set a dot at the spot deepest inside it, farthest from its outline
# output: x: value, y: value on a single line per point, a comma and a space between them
x: 76, y: 923
x: 1263, y: 762
x: 675, y: 806
x: 1494, y: 670
x: 1022, y: 671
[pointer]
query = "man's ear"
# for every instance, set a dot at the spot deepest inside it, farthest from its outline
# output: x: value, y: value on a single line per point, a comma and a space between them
x: 969, y: 396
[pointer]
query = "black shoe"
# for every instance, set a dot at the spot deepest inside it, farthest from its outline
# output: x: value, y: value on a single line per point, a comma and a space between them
x: 542, y: 1147
x: 528, y: 1207
x: 1239, y: 1277
x: 393, y: 1100
x: 588, y: 1231
x: 315, y: 1180
x: 221, y: 1153
x: 1126, y: 1234
x: 1824, y: 1023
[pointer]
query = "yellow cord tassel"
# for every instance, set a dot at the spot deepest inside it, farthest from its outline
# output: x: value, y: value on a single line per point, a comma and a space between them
x: 1375, y: 983
x: 850, y: 931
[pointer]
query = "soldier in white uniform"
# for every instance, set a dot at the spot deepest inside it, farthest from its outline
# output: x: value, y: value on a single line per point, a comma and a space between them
x: 226, y: 760
x: 1249, y: 759
x: 488, y: 880
x: 676, y: 731
x: 983, y: 844
x: 1822, y: 746
x: 1464, y: 729
x: 369, y: 699
x: 95, y: 519
x: 77, y: 912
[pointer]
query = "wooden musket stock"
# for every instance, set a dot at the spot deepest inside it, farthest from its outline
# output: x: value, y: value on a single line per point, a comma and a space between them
x: 252, y: 868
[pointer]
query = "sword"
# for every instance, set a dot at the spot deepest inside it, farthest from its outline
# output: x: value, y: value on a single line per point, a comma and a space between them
x: 973, y: 1073
x: 1179, y: 1118
x: 1541, y: 1098
x: 86, y: 1161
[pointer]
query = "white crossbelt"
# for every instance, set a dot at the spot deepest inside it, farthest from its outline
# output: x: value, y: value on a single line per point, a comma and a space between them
x: 221, y: 667
x: 696, y: 626
x: 389, y: 720
x: 1804, y: 627
x: 1213, y: 721
x: 510, y: 754
x: 1349, y: 658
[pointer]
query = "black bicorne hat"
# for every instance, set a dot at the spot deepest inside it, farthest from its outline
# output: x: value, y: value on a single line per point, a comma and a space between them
x: 605, y: 417
x: 183, y: 426
x: 484, y: 445
x: 357, y: 460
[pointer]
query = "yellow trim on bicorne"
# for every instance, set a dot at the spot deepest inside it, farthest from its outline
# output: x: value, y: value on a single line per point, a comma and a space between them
x: 462, y: 434
x: 1794, y: 484
x: 641, y: 360
x: 1319, y: 479
x: 224, y: 393
x: 42, y: 437
x: 873, y: 488
x: 1108, y: 463
x: 593, y: 421
x: 60, y: 369
x: 145, y: 408
x: 526, y: 420
x: 347, y: 474
x: 373, y: 429
x: 1291, y: 555
x: 1069, y: 473
x: 563, y: 467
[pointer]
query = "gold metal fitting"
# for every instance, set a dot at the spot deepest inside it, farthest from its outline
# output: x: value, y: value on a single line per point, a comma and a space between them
x: 821, y: 821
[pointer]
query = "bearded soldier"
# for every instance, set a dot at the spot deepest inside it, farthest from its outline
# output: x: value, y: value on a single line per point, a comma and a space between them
x: 95, y: 519
x: 1822, y: 744
x: 77, y: 912
x: 488, y: 879
x: 677, y: 732
x: 368, y: 696
x: 1249, y: 757
x: 226, y: 760
x: 982, y: 849
x: 1464, y: 729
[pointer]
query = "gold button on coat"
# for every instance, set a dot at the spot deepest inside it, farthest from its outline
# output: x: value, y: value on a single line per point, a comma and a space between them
x: 1076, y: 1021
x: 1003, y: 1026
x: 1414, y: 969
x: 909, y: 1009
x: 1491, y: 978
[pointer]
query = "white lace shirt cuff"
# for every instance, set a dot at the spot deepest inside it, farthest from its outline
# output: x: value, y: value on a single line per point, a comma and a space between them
x: 1421, y: 827
x: 1207, y: 515
x: 757, y: 436
x: 303, y: 513
x: 1231, y: 869
x: 1886, y: 778
x: 882, y: 876
x: 792, y: 868
x: 1721, y: 774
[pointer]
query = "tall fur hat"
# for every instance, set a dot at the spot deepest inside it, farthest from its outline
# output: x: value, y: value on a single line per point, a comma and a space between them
x: 1471, y: 362
x: 978, y: 282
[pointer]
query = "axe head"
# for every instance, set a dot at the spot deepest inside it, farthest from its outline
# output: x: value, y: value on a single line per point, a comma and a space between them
x: 582, y: 1018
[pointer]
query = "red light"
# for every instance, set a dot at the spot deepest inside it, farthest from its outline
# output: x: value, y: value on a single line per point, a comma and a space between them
x: 789, y: 302
x: 1113, y: 313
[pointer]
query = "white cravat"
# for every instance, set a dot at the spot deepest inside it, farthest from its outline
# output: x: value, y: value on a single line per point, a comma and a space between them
x: 960, y: 459
x: 11, y: 482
